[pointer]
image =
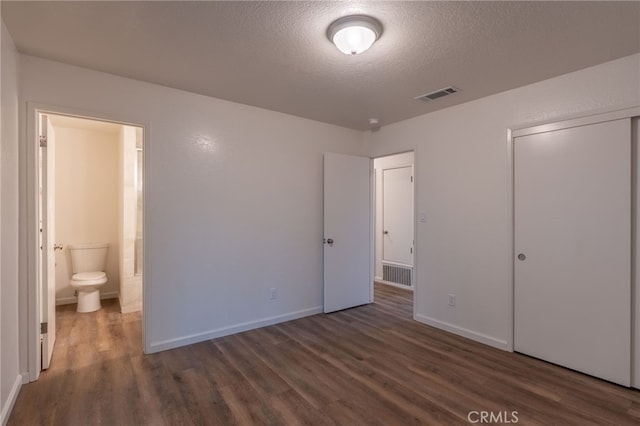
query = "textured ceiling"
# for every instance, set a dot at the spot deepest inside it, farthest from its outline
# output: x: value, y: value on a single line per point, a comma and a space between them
x: 275, y: 55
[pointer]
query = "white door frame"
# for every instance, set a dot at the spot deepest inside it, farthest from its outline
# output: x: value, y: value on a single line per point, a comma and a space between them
x: 415, y: 227
x: 543, y: 127
x: 47, y: 252
x: 32, y: 226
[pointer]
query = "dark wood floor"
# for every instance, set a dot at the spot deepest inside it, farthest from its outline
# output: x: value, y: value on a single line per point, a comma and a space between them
x: 370, y: 365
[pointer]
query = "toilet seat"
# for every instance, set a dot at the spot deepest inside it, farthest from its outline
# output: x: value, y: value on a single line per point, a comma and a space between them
x: 89, y: 278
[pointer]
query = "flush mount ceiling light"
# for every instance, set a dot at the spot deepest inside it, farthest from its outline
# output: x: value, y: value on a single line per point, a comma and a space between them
x: 354, y: 34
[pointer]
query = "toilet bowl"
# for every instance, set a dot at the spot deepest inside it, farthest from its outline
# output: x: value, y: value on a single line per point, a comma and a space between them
x: 88, y: 262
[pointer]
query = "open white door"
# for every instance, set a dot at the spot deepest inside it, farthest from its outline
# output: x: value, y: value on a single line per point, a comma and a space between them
x: 47, y: 221
x: 347, y: 232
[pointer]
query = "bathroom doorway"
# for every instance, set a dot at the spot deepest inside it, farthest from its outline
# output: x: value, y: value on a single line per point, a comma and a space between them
x: 90, y: 191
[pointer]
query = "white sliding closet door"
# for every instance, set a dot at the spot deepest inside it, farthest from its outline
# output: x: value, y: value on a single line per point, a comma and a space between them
x: 572, y: 212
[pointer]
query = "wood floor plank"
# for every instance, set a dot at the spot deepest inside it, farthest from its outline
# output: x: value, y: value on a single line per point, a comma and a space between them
x: 370, y: 365
x: 295, y: 410
x: 257, y: 373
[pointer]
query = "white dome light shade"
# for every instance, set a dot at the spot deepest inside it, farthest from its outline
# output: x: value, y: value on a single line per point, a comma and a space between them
x: 354, y: 34
x: 354, y: 40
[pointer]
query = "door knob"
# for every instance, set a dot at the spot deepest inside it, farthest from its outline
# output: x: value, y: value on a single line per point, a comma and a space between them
x: 521, y: 256
x: 330, y: 241
x: 386, y: 232
x: 57, y: 247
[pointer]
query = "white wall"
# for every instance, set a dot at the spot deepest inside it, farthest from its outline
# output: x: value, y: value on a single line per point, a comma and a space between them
x: 379, y: 164
x: 86, y: 195
x: 461, y: 169
x: 635, y: 312
x: 233, y: 201
x: 130, y: 292
x: 10, y: 378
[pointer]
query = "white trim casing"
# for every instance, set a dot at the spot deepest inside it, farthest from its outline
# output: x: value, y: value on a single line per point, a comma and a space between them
x: 635, y: 253
x: 372, y: 229
x: 510, y: 266
x: 575, y: 122
x: 11, y: 399
x: 416, y: 248
x: 33, y: 269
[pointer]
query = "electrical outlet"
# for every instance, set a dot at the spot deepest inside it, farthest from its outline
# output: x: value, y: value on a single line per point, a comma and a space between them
x: 273, y: 293
x: 452, y: 300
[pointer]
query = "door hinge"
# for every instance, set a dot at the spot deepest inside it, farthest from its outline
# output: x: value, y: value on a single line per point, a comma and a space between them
x: 411, y: 250
x: 411, y: 178
x: 44, y: 327
x: 43, y: 141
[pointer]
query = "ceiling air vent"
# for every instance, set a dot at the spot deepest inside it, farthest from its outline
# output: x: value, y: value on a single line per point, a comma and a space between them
x: 431, y: 96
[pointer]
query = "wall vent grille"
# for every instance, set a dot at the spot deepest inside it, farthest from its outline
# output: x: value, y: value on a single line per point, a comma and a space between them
x: 397, y: 274
x: 437, y: 94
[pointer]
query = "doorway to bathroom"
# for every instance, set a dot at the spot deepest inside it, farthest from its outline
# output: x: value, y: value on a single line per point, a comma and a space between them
x: 90, y: 196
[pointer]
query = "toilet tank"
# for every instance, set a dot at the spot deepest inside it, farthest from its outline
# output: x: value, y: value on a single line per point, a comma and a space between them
x: 88, y: 257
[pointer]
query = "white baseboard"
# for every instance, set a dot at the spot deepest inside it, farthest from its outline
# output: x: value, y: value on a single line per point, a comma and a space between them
x: 74, y: 299
x: 392, y: 284
x: 66, y: 300
x: 11, y: 399
x: 464, y: 332
x: 135, y: 307
x: 225, y: 331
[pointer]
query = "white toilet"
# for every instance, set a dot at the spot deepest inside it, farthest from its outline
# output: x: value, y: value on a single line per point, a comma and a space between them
x: 88, y: 262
